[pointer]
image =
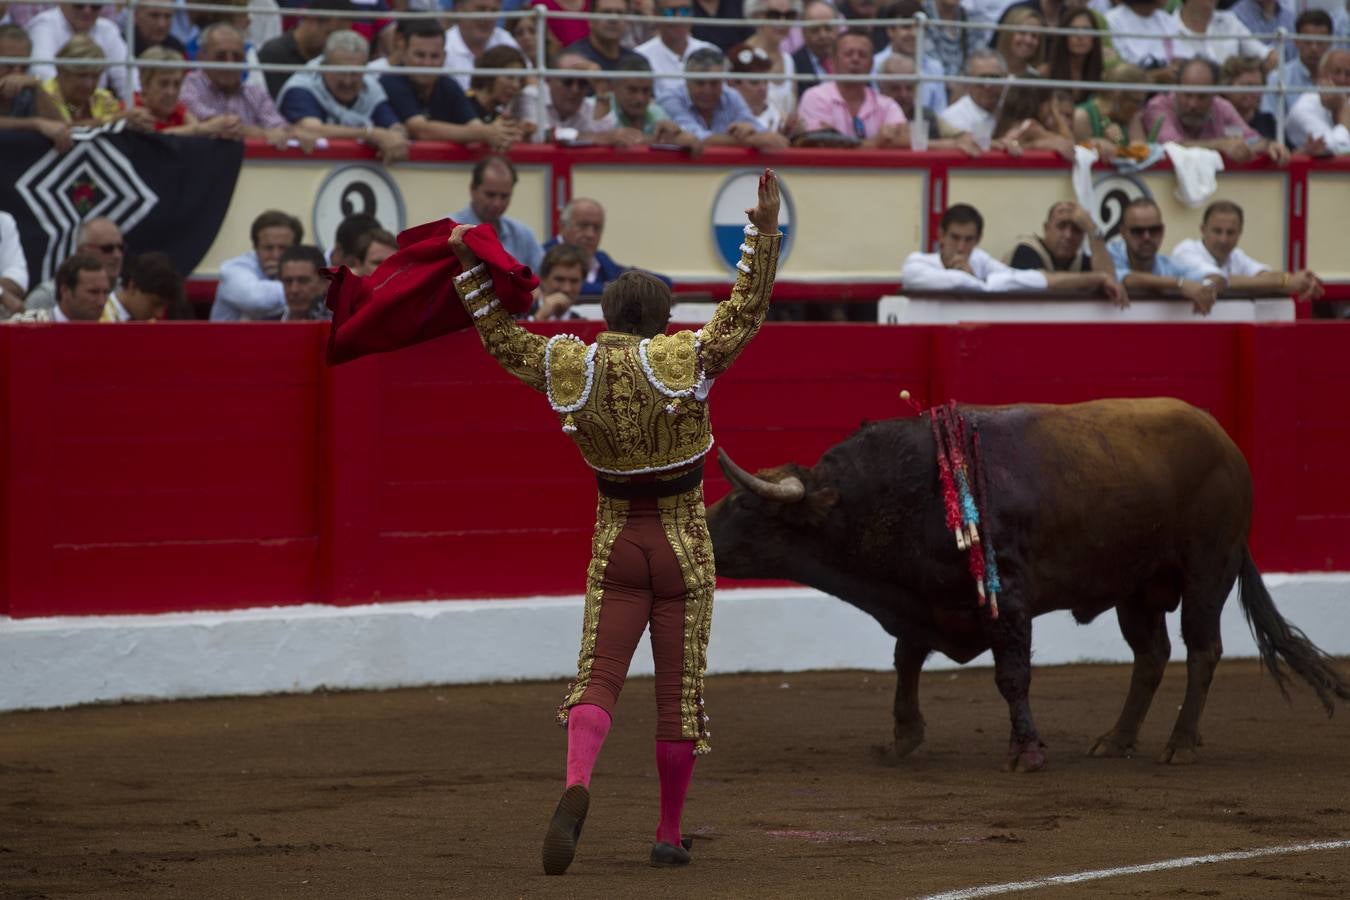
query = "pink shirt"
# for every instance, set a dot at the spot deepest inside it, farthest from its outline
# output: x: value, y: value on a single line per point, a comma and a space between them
x: 823, y: 107
x: 1224, y: 121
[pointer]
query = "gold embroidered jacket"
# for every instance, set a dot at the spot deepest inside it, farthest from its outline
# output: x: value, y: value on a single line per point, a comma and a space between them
x: 632, y: 405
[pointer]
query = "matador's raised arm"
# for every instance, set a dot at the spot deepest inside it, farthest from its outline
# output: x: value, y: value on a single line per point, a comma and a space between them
x: 520, y: 352
x: 738, y: 318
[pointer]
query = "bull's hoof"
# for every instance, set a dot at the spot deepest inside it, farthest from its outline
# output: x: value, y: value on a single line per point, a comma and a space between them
x: 1025, y: 756
x: 1111, y: 746
x: 1178, y: 755
x: 907, y: 741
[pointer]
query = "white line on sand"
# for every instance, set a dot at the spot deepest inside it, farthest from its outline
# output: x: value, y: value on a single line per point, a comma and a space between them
x: 1183, y: 862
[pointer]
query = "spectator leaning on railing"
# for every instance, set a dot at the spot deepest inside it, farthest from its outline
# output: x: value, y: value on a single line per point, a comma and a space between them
x: 1217, y: 251
x: 745, y: 59
x: 777, y: 16
x: 634, y: 108
x: 560, y: 276
x: 349, y: 105
x: 81, y: 293
x: 208, y: 93
x: 53, y: 29
x: 1141, y: 268
x: 713, y: 112
x: 433, y: 107
x: 960, y: 265
x: 817, y: 50
x: 76, y: 93
x: 1300, y: 72
x: 1110, y: 112
x: 24, y: 105
x: 854, y: 107
x: 977, y: 111
x: 1203, y: 120
x: 496, y: 97
x: 571, y: 115
x: 151, y: 289
x: 940, y: 135
x: 1319, y: 123
x: 160, y: 95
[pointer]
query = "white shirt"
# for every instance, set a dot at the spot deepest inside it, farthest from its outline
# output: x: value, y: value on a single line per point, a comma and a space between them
x: 966, y: 115
x: 583, y: 120
x: 925, y: 271
x: 49, y: 31
x: 13, y: 265
x: 1227, y: 36
x: 245, y: 293
x: 1137, y: 50
x: 459, y: 56
x: 1309, y: 119
x: 1192, y: 252
x: 666, y: 61
x: 118, y: 309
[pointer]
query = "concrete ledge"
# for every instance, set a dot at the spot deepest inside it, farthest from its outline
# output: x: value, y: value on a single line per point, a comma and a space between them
x: 63, y: 661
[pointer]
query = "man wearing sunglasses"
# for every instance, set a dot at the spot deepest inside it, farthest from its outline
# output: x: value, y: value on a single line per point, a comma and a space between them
x: 672, y: 45
x: 51, y: 30
x: 99, y: 238
x: 1141, y: 268
x: 572, y: 115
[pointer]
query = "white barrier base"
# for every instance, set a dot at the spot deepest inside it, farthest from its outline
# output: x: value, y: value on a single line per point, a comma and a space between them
x: 63, y: 661
x: 1007, y: 308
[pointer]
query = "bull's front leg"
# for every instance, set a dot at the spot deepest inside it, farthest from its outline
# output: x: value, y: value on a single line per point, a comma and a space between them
x: 909, y: 724
x: 1010, y: 638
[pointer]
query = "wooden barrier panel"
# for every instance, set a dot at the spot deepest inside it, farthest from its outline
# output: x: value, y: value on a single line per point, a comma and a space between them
x: 169, y: 467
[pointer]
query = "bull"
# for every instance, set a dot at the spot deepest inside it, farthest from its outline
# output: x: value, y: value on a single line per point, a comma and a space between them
x: 1141, y: 506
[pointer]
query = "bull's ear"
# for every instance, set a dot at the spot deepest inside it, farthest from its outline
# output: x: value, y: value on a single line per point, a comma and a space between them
x: 786, y: 490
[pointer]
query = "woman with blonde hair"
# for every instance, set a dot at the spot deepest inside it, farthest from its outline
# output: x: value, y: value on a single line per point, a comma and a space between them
x: 778, y: 16
x: 160, y: 96
x: 75, y: 88
x: 1023, y: 51
x: 1109, y: 112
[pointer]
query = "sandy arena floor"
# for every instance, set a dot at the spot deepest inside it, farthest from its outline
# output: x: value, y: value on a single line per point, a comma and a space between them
x: 445, y: 792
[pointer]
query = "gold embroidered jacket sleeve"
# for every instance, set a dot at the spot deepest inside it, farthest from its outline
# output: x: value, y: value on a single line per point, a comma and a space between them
x: 520, y: 352
x: 738, y: 318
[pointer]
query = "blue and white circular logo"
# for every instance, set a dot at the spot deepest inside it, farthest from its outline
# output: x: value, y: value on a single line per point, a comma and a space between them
x: 738, y: 193
x: 352, y: 189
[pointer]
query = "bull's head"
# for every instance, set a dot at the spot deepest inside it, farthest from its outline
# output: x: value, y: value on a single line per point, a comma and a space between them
x: 765, y: 522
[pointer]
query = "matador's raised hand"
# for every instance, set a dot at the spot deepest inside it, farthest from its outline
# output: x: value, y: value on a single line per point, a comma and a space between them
x: 466, y: 256
x: 765, y: 215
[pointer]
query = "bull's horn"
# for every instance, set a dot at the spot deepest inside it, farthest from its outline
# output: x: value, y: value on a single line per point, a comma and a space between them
x: 789, y: 490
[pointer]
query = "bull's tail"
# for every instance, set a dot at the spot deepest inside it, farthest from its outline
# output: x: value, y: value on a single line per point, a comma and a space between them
x: 1278, y: 640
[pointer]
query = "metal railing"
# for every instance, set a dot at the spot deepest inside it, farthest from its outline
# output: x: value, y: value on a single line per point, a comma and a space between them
x: 921, y: 23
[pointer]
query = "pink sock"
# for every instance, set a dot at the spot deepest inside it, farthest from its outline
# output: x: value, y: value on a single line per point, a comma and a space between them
x: 675, y: 766
x: 587, y: 725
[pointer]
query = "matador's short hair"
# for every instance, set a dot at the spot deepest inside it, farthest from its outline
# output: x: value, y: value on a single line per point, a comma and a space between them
x: 637, y: 303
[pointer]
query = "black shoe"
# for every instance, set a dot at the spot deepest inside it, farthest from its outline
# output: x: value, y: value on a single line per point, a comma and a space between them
x: 560, y: 842
x: 670, y: 855
x: 687, y: 844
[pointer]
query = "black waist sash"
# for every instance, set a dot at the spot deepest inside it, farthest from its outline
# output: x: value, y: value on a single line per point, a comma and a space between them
x: 652, y: 489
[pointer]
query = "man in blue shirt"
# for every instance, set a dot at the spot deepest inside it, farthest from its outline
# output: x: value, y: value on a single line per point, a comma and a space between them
x: 1141, y: 268
x: 1299, y: 73
x: 433, y: 107
x: 713, y: 112
x: 583, y: 223
x: 494, y: 179
x: 349, y: 105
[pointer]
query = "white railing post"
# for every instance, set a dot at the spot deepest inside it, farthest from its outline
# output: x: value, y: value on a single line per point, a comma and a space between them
x: 918, y: 129
x: 129, y: 35
x: 541, y: 64
x: 1280, y: 37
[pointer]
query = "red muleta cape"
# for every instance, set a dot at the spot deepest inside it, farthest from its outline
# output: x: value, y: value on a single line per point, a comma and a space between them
x: 411, y: 297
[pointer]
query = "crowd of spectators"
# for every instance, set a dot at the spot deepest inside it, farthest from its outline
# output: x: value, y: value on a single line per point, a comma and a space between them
x: 1148, y: 43
x: 747, y: 93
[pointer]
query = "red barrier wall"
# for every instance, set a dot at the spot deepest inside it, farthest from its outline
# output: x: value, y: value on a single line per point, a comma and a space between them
x: 169, y: 467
